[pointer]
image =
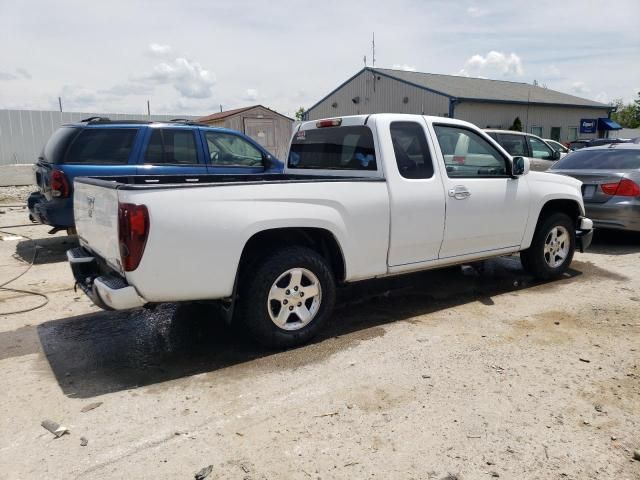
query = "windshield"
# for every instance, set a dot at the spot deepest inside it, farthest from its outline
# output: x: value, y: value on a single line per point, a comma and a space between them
x: 334, y: 148
x: 600, y: 159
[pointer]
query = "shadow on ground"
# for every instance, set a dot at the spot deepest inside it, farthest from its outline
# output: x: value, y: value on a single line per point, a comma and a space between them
x: 50, y: 249
x: 615, y: 242
x: 111, y: 351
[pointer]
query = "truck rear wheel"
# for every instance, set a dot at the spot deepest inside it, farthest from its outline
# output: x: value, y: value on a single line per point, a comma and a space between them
x: 287, y: 297
x: 552, y: 247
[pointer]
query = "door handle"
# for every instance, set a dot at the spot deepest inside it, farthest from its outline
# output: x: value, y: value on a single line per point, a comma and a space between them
x: 459, y: 192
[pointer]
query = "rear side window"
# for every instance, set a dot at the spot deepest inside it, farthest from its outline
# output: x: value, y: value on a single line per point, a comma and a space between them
x: 53, y: 151
x: 333, y: 148
x: 605, y: 159
x: 172, y: 147
x: 411, y: 150
x: 102, y: 146
x: 516, y: 145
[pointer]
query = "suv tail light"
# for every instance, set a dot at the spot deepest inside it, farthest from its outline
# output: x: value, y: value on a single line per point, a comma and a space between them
x: 624, y: 188
x: 133, y: 230
x: 59, y: 184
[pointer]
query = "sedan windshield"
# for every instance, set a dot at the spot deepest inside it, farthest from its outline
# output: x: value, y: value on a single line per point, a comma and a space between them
x: 600, y: 159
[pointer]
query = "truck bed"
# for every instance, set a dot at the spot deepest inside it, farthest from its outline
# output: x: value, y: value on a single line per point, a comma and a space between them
x: 135, y: 182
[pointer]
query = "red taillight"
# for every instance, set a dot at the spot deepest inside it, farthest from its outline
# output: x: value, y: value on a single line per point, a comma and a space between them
x: 625, y: 188
x: 332, y: 122
x: 133, y: 230
x: 59, y: 184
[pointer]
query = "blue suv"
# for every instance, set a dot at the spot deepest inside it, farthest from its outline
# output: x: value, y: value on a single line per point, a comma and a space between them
x: 101, y: 147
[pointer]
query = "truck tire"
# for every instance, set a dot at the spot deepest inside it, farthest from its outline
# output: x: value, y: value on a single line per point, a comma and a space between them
x: 552, y: 247
x: 286, y: 298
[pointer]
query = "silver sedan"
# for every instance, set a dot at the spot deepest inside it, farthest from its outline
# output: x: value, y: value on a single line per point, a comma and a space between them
x: 610, y: 177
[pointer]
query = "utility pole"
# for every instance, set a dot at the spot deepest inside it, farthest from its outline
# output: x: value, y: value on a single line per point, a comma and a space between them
x: 373, y: 51
x: 60, y: 103
x: 148, y: 108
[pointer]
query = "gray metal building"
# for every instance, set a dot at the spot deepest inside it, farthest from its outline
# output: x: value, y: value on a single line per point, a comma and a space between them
x: 486, y: 103
x: 269, y: 128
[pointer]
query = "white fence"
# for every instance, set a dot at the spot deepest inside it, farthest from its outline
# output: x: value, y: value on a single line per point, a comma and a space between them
x: 23, y: 133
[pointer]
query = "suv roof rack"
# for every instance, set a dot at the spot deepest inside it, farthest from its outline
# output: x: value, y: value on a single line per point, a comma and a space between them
x: 96, y: 119
x: 186, y: 121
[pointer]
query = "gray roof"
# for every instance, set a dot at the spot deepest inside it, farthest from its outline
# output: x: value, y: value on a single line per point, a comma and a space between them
x: 482, y: 89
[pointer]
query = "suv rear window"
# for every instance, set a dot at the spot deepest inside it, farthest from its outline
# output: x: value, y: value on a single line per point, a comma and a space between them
x: 102, y: 146
x: 333, y: 148
x: 57, y: 144
x: 605, y: 159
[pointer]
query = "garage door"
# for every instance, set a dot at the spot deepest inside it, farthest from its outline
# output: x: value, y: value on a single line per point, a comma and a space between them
x: 262, y: 130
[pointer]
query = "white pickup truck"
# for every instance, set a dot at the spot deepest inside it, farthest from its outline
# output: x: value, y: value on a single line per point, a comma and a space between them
x: 360, y: 197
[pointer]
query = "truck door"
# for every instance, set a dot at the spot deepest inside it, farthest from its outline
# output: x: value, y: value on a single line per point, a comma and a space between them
x: 416, y: 194
x: 486, y: 208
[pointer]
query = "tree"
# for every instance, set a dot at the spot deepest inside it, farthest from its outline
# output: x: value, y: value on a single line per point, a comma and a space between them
x: 300, y: 114
x: 628, y: 116
x: 517, y: 125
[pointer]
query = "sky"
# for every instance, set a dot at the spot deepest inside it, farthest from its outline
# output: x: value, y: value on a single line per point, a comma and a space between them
x: 193, y: 56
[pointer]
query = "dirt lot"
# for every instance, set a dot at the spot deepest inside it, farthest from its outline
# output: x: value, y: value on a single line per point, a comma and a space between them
x: 469, y: 373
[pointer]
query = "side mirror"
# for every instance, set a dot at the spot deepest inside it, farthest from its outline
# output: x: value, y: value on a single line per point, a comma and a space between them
x: 520, y: 166
x: 267, y: 161
x: 556, y: 155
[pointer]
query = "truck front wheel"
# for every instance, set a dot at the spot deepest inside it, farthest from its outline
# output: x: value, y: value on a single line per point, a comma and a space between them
x: 287, y: 297
x: 552, y: 247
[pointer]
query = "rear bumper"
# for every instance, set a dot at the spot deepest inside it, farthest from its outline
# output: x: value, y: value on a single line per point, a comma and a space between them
x: 57, y: 212
x: 618, y: 214
x: 584, y: 234
x: 106, y: 290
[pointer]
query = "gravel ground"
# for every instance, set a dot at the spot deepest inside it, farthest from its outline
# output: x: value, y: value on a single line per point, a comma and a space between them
x: 472, y: 373
x: 16, y: 195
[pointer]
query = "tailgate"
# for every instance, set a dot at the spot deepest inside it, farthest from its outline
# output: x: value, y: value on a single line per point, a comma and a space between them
x: 95, y: 209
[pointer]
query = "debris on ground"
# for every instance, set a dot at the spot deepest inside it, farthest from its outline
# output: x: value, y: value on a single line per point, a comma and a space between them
x: 55, y: 428
x: 636, y: 455
x: 585, y: 360
x: 331, y: 414
x: 204, y: 473
x: 90, y: 407
x: 598, y: 408
x: 84, y: 442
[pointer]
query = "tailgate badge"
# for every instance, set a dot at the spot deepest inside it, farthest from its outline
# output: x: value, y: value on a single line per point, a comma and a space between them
x: 91, y: 201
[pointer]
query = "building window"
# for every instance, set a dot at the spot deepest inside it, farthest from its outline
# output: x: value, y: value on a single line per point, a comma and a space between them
x: 573, y: 133
x: 536, y: 131
x: 556, y: 133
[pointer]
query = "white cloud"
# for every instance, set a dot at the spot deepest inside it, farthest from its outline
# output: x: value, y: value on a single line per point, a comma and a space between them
x: 602, y: 97
x: 580, y: 88
x: 77, y: 97
x: 476, y: 12
x: 20, y: 73
x: 492, y: 65
x: 404, y: 66
x: 251, y: 94
x: 551, y: 71
x: 159, y: 50
x: 189, y: 78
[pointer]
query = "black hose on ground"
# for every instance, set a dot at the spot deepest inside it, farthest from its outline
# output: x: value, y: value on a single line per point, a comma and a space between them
x: 3, y: 286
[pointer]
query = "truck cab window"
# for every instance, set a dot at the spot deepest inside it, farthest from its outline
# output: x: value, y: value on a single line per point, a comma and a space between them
x: 467, y: 154
x: 333, y: 148
x: 411, y: 150
x: 231, y: 150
